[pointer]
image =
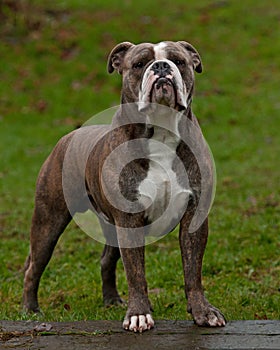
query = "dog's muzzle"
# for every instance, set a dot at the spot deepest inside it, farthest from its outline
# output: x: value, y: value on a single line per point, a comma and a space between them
x: 162, y: 83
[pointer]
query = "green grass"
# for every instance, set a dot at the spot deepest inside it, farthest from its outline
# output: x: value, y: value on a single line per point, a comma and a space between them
x: 53, y: 78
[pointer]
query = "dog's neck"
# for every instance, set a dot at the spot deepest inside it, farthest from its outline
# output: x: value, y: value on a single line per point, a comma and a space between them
x: 131, y: 122
x: 142, y: 124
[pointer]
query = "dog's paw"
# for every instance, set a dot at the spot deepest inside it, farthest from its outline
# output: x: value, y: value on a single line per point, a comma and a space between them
x: 211, y: 317
x: 204, y: 314
x: 138, y: 323
x: 114, y: 301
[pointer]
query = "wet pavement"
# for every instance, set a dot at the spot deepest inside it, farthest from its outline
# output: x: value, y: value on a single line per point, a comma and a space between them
x: 174, y: 335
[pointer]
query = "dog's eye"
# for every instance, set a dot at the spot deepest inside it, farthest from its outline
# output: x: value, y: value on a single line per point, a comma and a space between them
x: 179, y: 63
x: 138, y: 65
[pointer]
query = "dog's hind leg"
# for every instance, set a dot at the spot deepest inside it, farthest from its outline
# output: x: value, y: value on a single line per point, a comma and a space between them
x: 50, y: 218
x: 47, y: 226
x: 109, y: 259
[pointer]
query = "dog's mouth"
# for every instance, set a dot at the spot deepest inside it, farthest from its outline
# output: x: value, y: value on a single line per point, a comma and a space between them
x: 163, y: 92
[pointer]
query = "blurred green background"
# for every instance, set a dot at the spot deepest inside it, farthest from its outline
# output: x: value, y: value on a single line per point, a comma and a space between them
x: 53, y: 78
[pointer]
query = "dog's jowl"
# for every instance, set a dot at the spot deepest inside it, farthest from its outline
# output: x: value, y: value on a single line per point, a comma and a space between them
x: 146, y: 172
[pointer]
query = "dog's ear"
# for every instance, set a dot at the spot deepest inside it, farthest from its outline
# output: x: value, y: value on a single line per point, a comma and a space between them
x: 197, y: 64
x: 115, y: 59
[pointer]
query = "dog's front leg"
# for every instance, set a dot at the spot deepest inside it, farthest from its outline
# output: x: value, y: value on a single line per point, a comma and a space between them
x: 192, y: 249
x: 138, y: 317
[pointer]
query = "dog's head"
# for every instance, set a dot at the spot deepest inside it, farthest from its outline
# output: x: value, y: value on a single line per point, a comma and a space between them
x: 156, y: 73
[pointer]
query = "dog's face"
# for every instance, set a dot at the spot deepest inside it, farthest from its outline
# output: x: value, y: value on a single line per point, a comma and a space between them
x: 156, y: 73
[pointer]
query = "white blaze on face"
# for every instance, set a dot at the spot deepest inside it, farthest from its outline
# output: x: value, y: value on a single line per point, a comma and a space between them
x: 160, y: 52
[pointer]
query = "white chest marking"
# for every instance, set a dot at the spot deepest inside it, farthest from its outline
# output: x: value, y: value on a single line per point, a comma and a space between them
x: 164, y: 199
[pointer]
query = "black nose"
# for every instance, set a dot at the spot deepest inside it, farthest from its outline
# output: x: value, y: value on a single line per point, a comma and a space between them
x: 161, y: 68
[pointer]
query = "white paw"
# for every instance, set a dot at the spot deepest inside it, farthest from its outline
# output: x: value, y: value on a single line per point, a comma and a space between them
x: 139, y: 323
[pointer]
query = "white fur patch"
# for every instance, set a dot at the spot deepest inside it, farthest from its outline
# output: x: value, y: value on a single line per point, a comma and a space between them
x: 159, y: 50
x: 160, y: 193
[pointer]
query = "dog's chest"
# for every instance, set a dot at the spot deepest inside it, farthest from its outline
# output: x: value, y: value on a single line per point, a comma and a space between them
x: 160, y: 192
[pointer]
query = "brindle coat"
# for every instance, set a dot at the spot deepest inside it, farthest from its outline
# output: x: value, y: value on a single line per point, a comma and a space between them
x: 52, y: 214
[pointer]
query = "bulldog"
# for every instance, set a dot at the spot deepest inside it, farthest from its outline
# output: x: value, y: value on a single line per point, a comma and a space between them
x: 142, y: 175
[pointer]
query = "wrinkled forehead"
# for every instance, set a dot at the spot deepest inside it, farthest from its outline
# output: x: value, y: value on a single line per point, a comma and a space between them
x: 167, y: 49
x: 160, y: 51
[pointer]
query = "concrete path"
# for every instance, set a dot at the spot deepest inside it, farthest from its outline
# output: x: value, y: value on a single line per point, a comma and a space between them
x: 166, y: 335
